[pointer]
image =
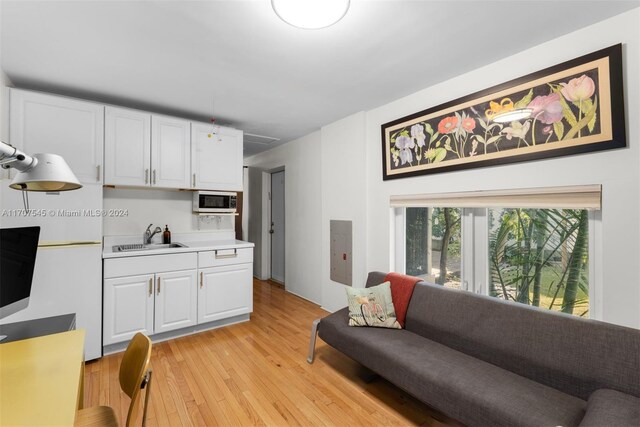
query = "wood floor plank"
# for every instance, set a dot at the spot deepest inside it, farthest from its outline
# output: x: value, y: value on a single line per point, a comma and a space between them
x: 103, y: 394
x: 114, y: 385
x: 255, y: 374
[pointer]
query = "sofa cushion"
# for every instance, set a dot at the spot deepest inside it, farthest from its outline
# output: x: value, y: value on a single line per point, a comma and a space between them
x: 466, y: 388
x: 574, y: 355
x: 372, y: 307
x: 612, y: 408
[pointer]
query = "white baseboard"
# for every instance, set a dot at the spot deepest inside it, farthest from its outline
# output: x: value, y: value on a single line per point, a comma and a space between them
x: 156, y: 338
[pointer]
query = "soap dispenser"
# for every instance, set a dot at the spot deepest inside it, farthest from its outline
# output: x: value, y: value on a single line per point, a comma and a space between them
x: 166, y: 236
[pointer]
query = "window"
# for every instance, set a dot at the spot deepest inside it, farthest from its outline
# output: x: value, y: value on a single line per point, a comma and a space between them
x: 540, y: 257
x: 539, y: 254
x: 433, y: 243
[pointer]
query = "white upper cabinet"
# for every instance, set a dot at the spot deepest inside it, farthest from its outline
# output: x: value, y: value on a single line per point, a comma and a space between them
x: 73, y: 129
x: 216, y: 158
x: 127, y: 148
x: 145, y: 150
x: 140, y: 149
x: 170, y: 152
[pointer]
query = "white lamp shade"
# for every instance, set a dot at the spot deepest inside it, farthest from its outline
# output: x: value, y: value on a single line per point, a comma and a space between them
x: 310, y: 14
x: 51, y: 173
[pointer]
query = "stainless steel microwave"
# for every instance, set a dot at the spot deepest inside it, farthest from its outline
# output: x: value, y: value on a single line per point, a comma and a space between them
x: 214, y: 202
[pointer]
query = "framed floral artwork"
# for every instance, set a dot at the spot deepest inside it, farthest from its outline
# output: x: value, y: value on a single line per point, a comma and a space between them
x: 573, y: 107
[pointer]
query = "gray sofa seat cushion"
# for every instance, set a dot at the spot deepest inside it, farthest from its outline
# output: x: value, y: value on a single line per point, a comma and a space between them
x: 612, y: 408
x: 574, y: 355
x: 468, y: 389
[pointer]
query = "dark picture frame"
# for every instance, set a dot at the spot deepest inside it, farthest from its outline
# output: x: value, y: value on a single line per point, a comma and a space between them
x: 570, y: 108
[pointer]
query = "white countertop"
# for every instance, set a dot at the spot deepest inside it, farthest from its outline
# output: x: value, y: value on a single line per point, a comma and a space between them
x: 190, y: 246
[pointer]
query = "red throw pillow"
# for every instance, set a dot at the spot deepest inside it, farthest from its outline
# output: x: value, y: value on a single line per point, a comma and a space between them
x: 401, y: 291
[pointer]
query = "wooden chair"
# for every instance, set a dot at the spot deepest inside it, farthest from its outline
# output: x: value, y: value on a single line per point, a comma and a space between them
x: 135, y: 375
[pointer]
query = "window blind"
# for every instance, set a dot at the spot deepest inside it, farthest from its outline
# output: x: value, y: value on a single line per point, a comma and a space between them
x: 571, y: 197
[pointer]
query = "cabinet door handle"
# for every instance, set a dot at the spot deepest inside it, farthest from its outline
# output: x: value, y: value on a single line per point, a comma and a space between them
x: 201, y: 279
x: 194, y: 180
x: 98, y: 173
x: 154, y: 176
x: 146, y: 176
x: 158, y: 292
x: 150, y: 286
x: 223, y: 256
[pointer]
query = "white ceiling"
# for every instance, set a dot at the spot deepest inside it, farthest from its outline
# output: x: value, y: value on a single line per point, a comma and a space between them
x: 237, y: 61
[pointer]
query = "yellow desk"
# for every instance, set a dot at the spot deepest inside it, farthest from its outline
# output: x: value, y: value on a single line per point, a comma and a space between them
x: 41, y: 380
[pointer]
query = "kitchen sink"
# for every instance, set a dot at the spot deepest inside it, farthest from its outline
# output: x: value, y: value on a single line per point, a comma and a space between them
x: 164, y: 246
x: 151, y: 246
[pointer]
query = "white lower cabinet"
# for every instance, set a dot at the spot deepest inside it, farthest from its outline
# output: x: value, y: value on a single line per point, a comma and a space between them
x: 225, y: 292
x: 162, y: 293
x: 128, y: 307
x: 150, y: 303
x: 149, y: 294
x: 175, y: 300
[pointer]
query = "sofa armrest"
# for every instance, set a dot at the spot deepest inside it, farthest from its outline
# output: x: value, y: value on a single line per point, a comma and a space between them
x: 611, y: 408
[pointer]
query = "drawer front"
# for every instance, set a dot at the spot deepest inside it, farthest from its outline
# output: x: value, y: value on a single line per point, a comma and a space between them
x: 224, y: 257
x: 130, y: 266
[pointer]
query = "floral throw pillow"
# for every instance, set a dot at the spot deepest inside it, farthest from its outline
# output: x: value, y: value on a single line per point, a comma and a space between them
x: 372, y: 307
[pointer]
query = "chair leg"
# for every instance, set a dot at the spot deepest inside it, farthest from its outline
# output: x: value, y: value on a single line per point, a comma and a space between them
x: 146, y: 398
x: 312, y: 341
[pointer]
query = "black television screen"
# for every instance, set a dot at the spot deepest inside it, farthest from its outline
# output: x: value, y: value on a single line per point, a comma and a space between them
x: 18, y: 247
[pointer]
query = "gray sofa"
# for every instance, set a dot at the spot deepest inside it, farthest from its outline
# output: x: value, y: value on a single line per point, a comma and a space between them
x: 487, y: 362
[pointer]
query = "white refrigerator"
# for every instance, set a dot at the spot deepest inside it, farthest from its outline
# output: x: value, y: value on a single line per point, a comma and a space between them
x: 68, y: 269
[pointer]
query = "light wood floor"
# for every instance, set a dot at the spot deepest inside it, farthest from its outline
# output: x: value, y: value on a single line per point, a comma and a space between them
x: 255, y: 373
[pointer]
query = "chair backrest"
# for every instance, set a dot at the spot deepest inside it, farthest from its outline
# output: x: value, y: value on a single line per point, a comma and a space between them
x: 133, y: 371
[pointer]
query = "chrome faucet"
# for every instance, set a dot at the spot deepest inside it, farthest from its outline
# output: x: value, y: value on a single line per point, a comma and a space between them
x: 148, y: 235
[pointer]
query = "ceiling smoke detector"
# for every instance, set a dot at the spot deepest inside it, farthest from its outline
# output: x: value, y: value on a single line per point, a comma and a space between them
x: 310, y: 14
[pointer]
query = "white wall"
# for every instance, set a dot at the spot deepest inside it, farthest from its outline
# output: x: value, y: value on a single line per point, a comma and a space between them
x: 245, y: 202
x: 4, y: 106
x: 254, y: 191
x: 344, y: 152
x: 157, y: 207
x: 4, y: 101
x: 344, y: 163
x: 4, y: 114
x: 617, y: 171
x: 301, y: 161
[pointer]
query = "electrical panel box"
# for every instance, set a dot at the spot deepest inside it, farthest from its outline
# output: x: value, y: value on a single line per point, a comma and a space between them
x: 341, y: 258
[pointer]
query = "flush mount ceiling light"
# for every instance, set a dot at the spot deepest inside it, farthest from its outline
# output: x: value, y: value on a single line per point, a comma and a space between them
x: 310, y: 14
x: 513, y: 115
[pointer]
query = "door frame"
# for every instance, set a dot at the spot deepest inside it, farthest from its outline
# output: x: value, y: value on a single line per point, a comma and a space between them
x: 266, y: 222
x: 284, y: 278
